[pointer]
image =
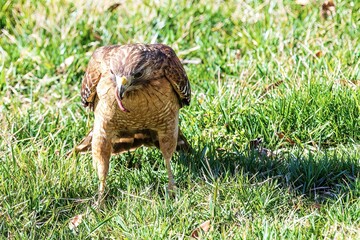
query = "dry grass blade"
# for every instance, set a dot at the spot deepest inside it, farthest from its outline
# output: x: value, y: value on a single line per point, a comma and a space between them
x: 192, y: 61
x: 114, y: 7
x: 271, y: 87
x: 347, y: 83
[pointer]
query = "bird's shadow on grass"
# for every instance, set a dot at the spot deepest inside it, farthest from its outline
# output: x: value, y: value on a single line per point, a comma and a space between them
x: 316, y: 176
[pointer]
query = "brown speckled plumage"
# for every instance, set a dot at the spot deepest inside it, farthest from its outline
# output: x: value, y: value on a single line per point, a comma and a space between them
x: 157, y: 89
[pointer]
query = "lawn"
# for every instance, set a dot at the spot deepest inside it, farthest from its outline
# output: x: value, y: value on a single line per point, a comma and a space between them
x: 276, y: 72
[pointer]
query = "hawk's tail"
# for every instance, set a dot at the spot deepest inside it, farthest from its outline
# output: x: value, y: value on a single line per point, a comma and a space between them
x: 85, y: 144
x: 132, y: 142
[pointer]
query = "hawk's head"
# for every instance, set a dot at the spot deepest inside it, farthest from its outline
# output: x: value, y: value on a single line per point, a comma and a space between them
x: 140, y: 65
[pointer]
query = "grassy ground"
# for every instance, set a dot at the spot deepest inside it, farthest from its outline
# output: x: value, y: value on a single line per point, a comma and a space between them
x: 274, y: 70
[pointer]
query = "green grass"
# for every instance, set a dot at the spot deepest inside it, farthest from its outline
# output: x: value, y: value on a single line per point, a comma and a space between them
x: 259, y: 76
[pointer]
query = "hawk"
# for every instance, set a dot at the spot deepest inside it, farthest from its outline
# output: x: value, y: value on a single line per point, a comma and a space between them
x: 135, y: 92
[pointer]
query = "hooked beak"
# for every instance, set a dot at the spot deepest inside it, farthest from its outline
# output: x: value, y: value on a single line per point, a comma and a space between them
x: 119, y: 91
x: 120, y: 82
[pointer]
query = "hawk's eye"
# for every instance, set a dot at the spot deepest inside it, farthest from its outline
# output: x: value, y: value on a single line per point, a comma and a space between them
x: 138, y: 74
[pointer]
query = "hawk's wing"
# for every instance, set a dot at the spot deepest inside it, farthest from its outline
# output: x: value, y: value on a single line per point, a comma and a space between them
x: 176, y: 75
x: 91, y: 79
x: 98, y: 67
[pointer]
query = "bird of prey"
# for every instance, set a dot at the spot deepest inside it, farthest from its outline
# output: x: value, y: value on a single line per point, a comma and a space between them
x: 136, y: 92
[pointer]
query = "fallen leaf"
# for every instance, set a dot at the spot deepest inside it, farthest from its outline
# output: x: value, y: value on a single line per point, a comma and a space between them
x: 318, y: 54
x: 281, y: 135
x: 328, y: 9
x: 205, y: 227
x: 75, y: 222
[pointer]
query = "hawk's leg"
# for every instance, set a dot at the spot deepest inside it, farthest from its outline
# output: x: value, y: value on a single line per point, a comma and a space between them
x: 101, y: 152
x: 167, y: 147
